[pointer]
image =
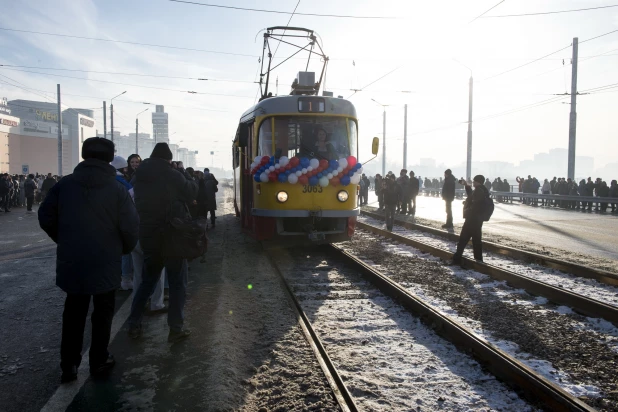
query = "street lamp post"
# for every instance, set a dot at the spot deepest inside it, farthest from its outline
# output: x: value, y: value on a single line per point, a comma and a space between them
x: 383, y: 136
x: 137, y: 130
x: 111, y: 113
x: 469, y: 144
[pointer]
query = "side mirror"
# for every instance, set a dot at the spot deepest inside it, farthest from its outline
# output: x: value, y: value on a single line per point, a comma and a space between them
x: 375, y: 145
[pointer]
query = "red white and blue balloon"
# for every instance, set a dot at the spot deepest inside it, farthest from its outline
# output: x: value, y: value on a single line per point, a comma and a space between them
x: 304, y: 171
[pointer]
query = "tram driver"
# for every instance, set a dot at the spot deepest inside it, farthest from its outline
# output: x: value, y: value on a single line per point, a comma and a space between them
x: 321, y: 149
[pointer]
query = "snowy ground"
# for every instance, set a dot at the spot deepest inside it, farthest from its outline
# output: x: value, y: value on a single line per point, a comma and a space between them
x: 583, y: 286
x: 389, y: 360
x: 580, y: 237
x: 573, y: 351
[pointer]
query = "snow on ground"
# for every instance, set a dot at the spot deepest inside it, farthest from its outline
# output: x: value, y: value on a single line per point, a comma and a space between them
x: 608, y: 332
x: 390, y: 360
x: 583, y: 286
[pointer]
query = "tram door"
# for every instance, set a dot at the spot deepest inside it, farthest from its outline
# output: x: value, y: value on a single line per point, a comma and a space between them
x: 246, y: 179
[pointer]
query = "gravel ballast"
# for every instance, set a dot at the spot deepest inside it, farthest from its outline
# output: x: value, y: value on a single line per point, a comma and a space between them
x: 563, y: 346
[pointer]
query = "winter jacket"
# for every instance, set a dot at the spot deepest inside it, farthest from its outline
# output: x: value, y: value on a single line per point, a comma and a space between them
x: 120, y: 178
x: 546, y: 187
x: 404, y: 186
x: 414, y: 187
x: 391, y: 193
x: 161, y: 193
x: 48, y: 184
x: 475, y: 202
x: 94, y: 222
x: 448, y: 190
x: 29, y: 187
x: 613, y: 191
x: 210, y: 190
x: 4, y: 187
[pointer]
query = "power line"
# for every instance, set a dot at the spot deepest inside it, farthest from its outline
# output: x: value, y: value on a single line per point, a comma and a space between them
x: 551, y: 12
x: 375, y: 81
x: 127, y: 42
x: 285, y: 12
x: 486, y: 11
x: 127, y: 74
x: 525, y: 64
x: 596, y: 37
x: 127, y: 84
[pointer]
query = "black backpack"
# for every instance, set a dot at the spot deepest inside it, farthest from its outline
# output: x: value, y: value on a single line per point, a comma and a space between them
x: 488, y: 209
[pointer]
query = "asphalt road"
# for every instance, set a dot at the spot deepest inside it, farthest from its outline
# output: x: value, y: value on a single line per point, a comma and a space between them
x: 589, y: 233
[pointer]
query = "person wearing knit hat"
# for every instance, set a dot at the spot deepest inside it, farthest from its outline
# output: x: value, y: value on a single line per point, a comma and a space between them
x: 476, y: 210
x: 161, y: 194
x: 94, y: 222
x: 162, y: 151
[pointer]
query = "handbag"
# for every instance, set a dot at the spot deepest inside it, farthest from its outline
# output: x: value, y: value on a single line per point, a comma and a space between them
x: 184, y: 238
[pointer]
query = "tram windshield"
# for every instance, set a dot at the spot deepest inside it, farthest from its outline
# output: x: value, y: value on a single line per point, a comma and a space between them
x: 320, y: 137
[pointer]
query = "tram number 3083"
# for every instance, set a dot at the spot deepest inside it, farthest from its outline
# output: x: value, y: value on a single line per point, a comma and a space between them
x: 312, y: 189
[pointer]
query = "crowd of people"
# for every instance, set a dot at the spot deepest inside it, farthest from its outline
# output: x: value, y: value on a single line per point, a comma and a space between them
x: 110, y: 219
x: 17, y: 191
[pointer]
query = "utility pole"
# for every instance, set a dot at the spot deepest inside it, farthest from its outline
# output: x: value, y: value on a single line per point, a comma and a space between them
x: 469, y: 154
x: 59, y: 134
x: 405, y: 136
x: 104, y: 120
x: 573, y: 114
x: 384, y: 142
x: 136, y: 127
x: 111, y: 118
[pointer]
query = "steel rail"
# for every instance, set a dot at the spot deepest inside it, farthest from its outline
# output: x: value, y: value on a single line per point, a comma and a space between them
x: 506, y: 368
x: 579, y: 303
x: 602, y: 276
x: 340, y: 392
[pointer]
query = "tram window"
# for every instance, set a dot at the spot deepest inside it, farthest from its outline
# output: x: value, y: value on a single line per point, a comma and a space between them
x: 312, y: 137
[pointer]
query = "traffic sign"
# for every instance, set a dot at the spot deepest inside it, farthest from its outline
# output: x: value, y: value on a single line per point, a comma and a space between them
x: 25, y: 169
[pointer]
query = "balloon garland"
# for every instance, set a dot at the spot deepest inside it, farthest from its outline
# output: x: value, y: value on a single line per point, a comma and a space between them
x: 304, y: 171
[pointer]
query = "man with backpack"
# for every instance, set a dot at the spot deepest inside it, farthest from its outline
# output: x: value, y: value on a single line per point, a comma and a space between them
x: 478, y: 208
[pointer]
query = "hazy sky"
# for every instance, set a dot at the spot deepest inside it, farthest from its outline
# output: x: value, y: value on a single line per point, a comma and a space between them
x: 422, y: 43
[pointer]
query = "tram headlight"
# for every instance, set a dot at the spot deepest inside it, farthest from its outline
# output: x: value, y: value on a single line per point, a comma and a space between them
x: 342, y: 196
x: 282, y: 197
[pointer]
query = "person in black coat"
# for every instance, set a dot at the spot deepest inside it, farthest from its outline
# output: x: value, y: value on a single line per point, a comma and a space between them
x: 4, y: 192
x: 29, y: 190
x: 473, y: 212
x: 210, y: 197
x: 161, y: 194
x: 94, y: 222
x: 448, y: 194
x: 414, y: 189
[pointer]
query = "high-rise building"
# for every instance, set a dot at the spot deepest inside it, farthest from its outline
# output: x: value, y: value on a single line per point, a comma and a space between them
x: 160, y: 128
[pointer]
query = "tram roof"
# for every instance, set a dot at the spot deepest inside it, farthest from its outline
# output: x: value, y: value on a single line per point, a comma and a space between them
x: 289, y: 105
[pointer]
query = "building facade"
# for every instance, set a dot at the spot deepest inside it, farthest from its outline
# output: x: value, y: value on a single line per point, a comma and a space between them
x: 160, y: 125
x: 29, y: 136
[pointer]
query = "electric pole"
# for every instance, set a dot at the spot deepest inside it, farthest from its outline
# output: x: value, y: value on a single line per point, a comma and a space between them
x: 405, y: 136
x: 111, y: 119
x: 104, y: 120
x: 573, y: 114
x: 469, y: 151
x: 59, y: 134
x: 384, y: 142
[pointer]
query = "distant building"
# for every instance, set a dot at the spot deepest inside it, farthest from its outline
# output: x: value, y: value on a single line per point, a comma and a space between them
x: 29, y: 136
x: 160, y: 125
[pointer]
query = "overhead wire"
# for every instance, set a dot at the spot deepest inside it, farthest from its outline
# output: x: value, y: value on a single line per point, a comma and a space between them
x: 344, y: 16
x: 375, y: 81
x: 550, y: 12
x: 126, y: 74
x: 126, y: 42
x: 486, y: 11
x: 131, y: 85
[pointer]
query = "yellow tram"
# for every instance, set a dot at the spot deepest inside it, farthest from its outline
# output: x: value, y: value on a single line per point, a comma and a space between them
x: 296, y: 171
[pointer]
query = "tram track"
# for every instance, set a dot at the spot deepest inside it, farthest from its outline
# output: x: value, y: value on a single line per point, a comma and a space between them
x: 601, y: 276
x: 311, y: 294
x: 584, y: 305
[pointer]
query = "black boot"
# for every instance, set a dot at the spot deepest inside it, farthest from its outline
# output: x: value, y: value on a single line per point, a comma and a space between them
x: 103, y: 368
x: 69, y: 374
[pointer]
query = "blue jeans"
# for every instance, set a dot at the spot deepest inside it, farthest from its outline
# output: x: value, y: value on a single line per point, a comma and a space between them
x: 177, y: 277
x: 127, y: 267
